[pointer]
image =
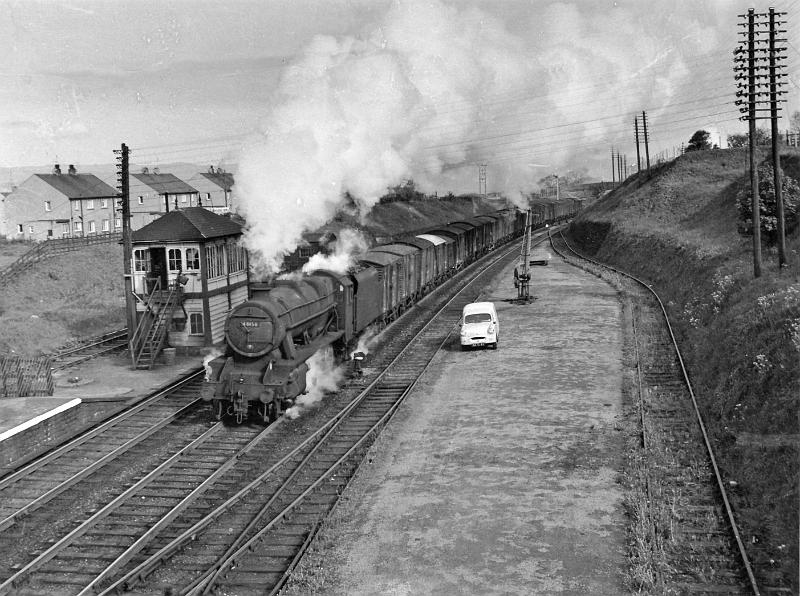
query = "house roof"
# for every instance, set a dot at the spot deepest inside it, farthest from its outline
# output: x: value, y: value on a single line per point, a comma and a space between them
x: 222, y: 179
x: 187, y: 225
x: 165, y: 183
x: 79, y: 186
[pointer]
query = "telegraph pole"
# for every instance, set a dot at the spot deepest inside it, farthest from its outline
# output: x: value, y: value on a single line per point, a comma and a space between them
x: 482, y: 179
x: 646, y: 146
x: 776, y: 160
x: 613, y: 168
x: 127, y: 245
x: 750, y: 62
x: 638, y: 155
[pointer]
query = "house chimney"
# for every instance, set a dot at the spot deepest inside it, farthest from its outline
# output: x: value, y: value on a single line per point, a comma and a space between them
x: 72, y: 170
x: 56, y: 169
x: 210, y: 169
x: 145, y: 170
x: 156, y: 171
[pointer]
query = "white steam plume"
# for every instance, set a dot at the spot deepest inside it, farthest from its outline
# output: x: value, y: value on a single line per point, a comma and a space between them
x: 215, y: 353
x: 360, y: 115
x: 323, y: 376
x: 366, y: 341
x: 349, y: 245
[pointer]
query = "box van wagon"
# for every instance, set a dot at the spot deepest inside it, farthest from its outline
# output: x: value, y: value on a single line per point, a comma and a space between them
x: 479, y: 325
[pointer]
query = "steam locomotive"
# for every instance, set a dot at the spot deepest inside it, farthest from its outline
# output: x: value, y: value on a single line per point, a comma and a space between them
x: 272, y: 335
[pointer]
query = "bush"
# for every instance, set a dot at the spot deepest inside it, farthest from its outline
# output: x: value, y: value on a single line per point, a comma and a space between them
x: 767, y: 204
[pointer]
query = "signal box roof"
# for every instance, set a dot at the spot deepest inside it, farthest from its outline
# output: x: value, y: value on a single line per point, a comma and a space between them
x: 193, y: 224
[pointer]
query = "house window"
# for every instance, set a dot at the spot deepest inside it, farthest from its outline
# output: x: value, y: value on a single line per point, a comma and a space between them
x: 77, y: 206
x: 105, y: 225
x: 117, y: 222
x: 78, y: 226
x: 192, y: 259
x: 141, y: 200
x: 48, y: 206
x: 208, y: 197
x: 92, y: 229
x: 103, y: 203
x: 49, y: 233
x: 195, y: 323
x: 175, y: 261
x: 19, y: 229
x: 30, y: 229
x: 90, y: 204
x: 141, y: 259
x: 65, y: 229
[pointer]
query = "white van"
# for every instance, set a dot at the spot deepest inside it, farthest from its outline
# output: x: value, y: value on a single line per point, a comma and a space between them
x: 479, y: 325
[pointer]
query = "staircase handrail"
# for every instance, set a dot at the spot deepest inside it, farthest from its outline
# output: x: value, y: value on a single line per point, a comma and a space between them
x: 136, y: 343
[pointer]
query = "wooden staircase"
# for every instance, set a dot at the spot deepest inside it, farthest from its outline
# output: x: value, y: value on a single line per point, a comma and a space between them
x: 151, y: 332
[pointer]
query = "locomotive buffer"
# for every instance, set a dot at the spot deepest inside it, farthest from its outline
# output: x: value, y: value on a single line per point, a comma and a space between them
x: 522, y: 274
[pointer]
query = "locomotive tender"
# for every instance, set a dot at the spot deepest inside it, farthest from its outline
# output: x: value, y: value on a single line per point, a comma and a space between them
x: 271, y: 336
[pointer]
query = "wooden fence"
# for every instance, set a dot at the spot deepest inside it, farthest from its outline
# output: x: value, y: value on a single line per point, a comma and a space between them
x: 48, y: 248
x: 25, y: 376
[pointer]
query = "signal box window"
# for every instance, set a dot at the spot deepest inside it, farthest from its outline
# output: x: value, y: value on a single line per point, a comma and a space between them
x: 175, y: 261
x: 192, y: 259
x: 140, y: 260
x: 195, y: 323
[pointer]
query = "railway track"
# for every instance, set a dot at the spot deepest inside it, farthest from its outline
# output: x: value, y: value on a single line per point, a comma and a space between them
x: 190, y: 522
x: 692, y: 539
x: 108, y: 343
x: 251, y: 543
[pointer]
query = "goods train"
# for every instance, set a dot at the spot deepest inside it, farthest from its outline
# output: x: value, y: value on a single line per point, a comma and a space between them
x: 282, y: 324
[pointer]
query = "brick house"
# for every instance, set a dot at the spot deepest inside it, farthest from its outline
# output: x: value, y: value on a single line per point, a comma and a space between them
x: 153, y: 194
x: 214, y: 188
x: 61, y: 205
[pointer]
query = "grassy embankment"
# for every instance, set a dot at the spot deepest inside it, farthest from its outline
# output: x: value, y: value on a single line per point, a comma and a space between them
x: 739, y: 335
x: 69, y: 296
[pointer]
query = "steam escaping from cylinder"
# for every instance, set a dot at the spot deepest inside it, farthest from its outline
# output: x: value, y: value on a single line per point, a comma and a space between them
x: 323, y: 377
x: 349, y: 245
x: 366, y: 341
x: 215, y: 353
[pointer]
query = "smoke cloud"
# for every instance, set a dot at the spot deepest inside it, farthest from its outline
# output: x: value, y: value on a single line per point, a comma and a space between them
x: 349, y: 245
x: 433, y: 90
x: 323, y: 377
x: 361, y: 114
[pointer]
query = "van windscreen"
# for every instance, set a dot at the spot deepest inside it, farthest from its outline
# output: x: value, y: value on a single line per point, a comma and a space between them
x: 478, y: 317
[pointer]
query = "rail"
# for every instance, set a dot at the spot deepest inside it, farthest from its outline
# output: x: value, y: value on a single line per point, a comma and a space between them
x: 699, y: 417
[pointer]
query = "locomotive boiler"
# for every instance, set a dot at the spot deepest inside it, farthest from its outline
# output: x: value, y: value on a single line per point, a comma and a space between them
x: 269, y: 338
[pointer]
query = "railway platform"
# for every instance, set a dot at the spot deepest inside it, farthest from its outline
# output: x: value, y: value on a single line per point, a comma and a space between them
x: 84, y: 395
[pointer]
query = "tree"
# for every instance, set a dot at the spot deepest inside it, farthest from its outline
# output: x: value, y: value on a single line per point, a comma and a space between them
x: 699, y: 141
x: 743, y: 140
x: 767, y: 205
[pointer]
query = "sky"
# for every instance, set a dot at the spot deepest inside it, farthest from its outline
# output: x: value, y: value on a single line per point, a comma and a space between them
x: 308, y: 99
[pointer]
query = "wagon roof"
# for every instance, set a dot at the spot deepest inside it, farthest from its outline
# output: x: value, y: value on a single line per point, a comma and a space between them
x: 398, y: 249
x: 435, y: 239
x: 379, y: 258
